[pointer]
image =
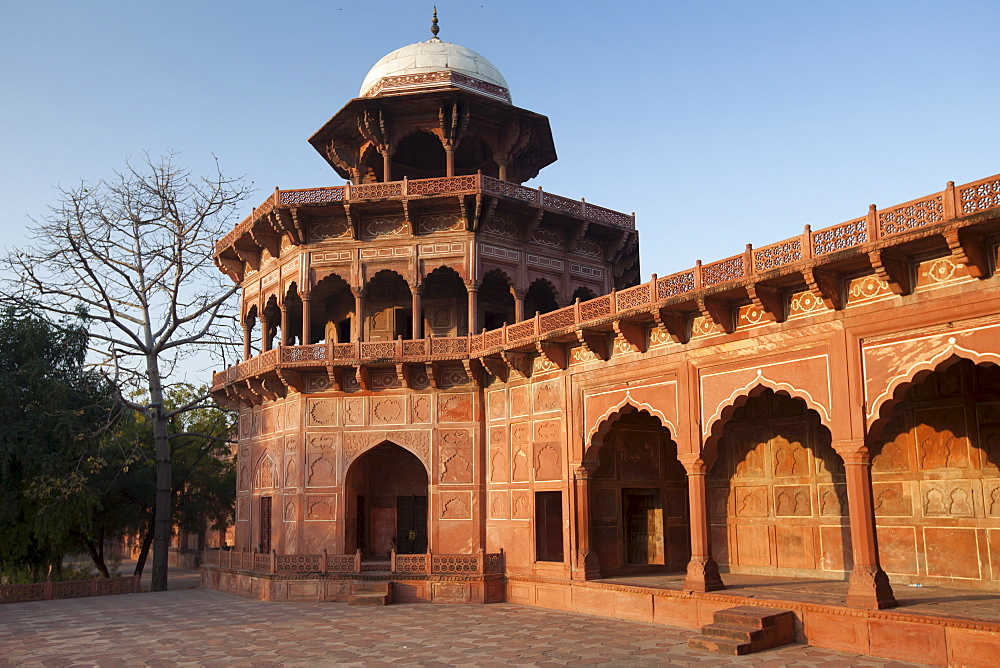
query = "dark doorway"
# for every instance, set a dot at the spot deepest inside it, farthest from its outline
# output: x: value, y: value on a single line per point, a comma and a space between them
x: 548, y: 526
x: 411, y: 524
x: 265, y: 524
x: 643, y: 526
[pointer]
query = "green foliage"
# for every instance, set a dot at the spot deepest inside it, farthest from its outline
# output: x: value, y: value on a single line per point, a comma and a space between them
x: 55, y: 413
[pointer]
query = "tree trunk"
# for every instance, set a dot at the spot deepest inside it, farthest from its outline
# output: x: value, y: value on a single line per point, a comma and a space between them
x: 97, y: 555
x: 147, y: 542
x: 161, y: 445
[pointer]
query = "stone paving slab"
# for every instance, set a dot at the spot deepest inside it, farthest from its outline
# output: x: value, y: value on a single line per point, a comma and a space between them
x: 197, y: 627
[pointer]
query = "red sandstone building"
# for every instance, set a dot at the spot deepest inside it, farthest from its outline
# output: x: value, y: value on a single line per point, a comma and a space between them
x: 459, y: 384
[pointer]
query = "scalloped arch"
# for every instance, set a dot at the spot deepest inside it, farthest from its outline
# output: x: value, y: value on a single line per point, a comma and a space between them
x: 715, y: 425
x: 497, y: 271
x: 882, y: 406
x: 602, y: 426
x: 371, y: 446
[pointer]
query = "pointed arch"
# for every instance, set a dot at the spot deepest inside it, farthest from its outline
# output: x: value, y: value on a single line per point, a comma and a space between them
x: 542, y: 297
x: 881, y: 407
x: 714, y: 425
x: 602, y: 426
x: 265, y: 473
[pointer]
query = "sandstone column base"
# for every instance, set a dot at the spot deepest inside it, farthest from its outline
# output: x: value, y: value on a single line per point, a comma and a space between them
x: 703, y: 575
x: 869, y: 588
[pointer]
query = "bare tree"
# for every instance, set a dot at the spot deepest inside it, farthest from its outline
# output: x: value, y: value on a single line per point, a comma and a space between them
x: 135, y: 254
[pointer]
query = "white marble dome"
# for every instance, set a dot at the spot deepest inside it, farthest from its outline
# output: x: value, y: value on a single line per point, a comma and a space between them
x: 433, y: 55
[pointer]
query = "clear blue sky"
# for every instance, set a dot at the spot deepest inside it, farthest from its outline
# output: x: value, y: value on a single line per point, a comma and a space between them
x: 718, y: 123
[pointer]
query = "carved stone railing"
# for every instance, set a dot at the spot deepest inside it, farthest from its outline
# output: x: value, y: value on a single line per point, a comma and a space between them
x: 478, y: 563
x: 409, y: 188
x: 47, y: 591
x: 916, y: 217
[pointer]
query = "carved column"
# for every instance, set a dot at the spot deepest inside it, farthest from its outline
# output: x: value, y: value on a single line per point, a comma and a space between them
x: 306, y: 318
x: 387, y: 166
x: 265, y: 338
x: 519, y: 304
x: 417, y: 309
x: 358, y: 325
x: 472, y: 289
x: 587, y: 565
x: 284, y: 325
x: 869, y: 585
x: 449, y: 157
x: 247, y: 333
x: 503, y: 171
x: 702, y: 571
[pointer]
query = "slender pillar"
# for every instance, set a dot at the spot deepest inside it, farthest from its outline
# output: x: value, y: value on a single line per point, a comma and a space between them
x: 702, y: 571
x: 587, y: 566
x: 386, y: 167
x: 417, y: 309
x: 306, y: 318
x: 449, y: 155
x: 247, y: 333
x: 519, y: 305
x: 358, y: 324
x: 503, y: 171
x: 472, y: 289
x: 284, y: 325
x: 265, y: 338
x: 869, y: 585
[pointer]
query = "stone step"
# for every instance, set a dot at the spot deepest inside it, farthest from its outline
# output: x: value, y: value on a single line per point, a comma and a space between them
x: 745, y: 629
x: 368, y: 599
x: 733, y: 632
x: 380, y: 587
x: 726, y: 646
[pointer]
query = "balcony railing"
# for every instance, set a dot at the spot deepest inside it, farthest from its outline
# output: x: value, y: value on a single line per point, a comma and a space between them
x: 406, y: 189
x: 478, y: 563
x: 908, y: 218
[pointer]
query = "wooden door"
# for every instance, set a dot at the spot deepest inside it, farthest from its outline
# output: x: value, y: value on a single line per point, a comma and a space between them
x: 643, y: 524
x: 411, y: 524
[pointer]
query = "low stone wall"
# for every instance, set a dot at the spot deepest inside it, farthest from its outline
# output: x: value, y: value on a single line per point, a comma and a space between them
x: 47, y: 591
x: 408, y: 588
x: 883, y: 633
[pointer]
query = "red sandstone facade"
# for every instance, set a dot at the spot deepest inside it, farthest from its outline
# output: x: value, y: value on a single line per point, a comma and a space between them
x: 458, y: 380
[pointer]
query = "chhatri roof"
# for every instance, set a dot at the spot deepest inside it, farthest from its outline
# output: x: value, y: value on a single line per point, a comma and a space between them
x: 431, y: 65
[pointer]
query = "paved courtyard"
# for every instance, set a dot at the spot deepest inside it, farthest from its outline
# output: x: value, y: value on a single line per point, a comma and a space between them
x: 209, y: 628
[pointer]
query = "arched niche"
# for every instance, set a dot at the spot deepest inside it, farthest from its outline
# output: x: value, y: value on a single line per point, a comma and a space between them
x: 293, y: 309
x: 936, y: 475
x: 542, y: 297
x: 388, y: 307
x: 331, y: 310
x: 473, y: 155
x: 418, y: 155
x: 777, y: 497
x: 386, y: 502
x: 496, y: 300
x: 583, y: 293
x: 272, y: 313
x: 444, y: 301
x: 639, y: 521
x: 372, y: 166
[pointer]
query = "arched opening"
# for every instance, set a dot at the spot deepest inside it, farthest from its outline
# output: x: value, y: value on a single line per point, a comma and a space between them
x: 371, y: 168
x: 777, y: 495
x: 540, y: 298
x: 293, y: 309
x: 386, y: 505
x: 584, y: 293
x: 445, y: 303
x: 472, y: 155
x: 496, y: 302
x: 272, y: 313
x: 250, y: 347
x: 331, y: 310
x: 388, y: 307
x: 419, y: 156
x: 638, y: 499
x: 936, y: 478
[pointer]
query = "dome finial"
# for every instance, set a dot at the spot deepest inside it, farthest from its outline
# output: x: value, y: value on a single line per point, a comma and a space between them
x: 434, y: 24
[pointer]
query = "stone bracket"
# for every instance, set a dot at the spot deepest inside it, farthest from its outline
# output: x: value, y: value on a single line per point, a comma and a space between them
x: 266, y: 239
x: 893, y: 268
x: 554, y: 353
x: 496, y: 366
x: 292, y: 380
x: 769, y: 299
x: 674, y: 323
x: 719, y: 311
x: 633, y: 333
x: 595, y: 342
x: 826, y: 285
x: 519, y: 362
x: 969, y: 248
x: 474, y: 370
